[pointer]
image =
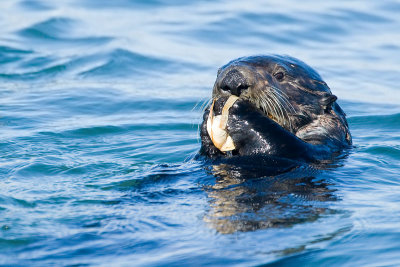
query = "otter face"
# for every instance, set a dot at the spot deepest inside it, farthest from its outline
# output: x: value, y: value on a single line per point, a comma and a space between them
x: 282, y: 108
x: 284, y: 88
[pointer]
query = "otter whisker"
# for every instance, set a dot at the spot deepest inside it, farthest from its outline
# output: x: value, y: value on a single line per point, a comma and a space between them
x: 264, y: 103
x: 205, y: 104
x: 288, y: 108
x: 285, y: 97
x: 200, y: 103
x: 271, y: 107
x: 279, y: 105
x: 274, y: 103
x: 203, y: 107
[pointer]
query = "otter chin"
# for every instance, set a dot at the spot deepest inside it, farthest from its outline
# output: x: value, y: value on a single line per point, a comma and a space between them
x: 272, y: 105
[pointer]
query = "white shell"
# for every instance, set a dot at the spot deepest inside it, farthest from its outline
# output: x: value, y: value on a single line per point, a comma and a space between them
x: 216, y: 127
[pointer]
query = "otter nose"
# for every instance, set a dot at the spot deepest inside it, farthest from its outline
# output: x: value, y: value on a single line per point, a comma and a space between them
x: 234, y: 82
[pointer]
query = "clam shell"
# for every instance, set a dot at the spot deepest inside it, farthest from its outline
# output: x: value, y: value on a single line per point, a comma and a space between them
x: 216, y: 126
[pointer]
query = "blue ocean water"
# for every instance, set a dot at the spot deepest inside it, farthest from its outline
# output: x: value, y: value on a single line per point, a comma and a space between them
x: 100, y: 103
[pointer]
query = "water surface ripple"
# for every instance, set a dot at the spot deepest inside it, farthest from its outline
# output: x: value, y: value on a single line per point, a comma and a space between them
x: 100, y: 103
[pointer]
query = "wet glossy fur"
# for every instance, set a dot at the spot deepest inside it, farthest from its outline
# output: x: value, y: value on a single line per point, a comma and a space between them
x: 285, y: 109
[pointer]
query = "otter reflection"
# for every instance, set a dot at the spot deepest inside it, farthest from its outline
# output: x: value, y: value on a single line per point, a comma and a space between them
x: 247, y: 198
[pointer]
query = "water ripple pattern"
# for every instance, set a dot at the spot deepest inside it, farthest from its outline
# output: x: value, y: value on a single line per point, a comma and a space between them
x: 100, y: 103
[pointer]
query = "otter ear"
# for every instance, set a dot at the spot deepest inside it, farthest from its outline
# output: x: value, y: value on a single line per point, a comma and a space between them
x: 327, y: 101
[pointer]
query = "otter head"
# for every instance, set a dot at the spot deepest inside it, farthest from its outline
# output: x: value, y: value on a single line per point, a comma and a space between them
x: 284, y: 88
x: 288, y: 92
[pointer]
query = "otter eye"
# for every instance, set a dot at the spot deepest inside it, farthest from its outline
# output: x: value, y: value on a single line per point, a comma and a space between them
x: 279, y: 75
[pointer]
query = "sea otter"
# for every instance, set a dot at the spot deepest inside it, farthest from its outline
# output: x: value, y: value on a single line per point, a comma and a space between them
x: 279, y: 107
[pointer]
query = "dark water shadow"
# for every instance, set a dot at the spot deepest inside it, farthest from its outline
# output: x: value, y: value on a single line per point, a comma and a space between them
x: 268, y: 193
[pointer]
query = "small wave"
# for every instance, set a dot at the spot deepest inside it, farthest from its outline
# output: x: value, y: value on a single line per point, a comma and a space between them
x: 12, y: 201
x: 376, y: 121
x: 101, y: 4
x: 61, y: 30
x: 163, y: 174
x: 53, y: 29
x: 41, y: 169
x: 35, y: 5
x: 392, y: 152
x: 95, y: 131
x: 124, y: 63
x: 43, y: 73
x: 35, y: 67
x: 11, y: 54
x: 360, y: 17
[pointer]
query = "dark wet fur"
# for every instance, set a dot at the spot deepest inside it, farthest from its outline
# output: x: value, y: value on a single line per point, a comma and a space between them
x: 296, y: 117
